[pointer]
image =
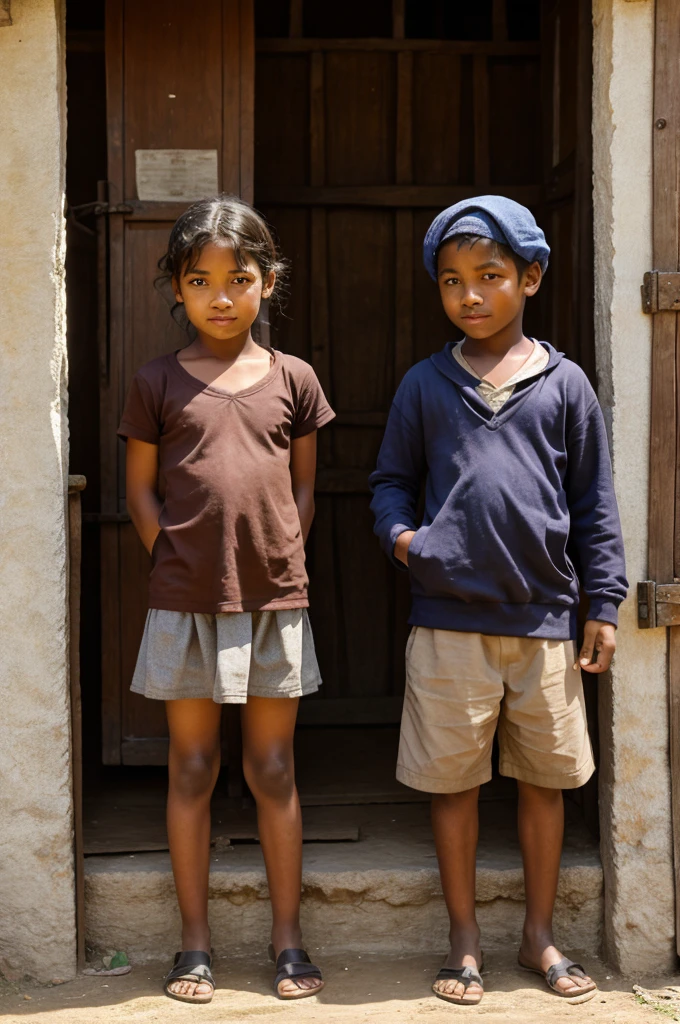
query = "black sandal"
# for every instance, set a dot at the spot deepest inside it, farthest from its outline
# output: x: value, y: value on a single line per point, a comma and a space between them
x: 192, y: 965
x: 292, y: 964
x: 564, y: 969
x: 466, y: 976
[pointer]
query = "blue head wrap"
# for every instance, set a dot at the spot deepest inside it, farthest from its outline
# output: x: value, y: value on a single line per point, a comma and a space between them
x: 495, y: 217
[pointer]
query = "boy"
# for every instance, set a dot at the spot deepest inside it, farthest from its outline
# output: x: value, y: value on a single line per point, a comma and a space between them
x: 519, y: 509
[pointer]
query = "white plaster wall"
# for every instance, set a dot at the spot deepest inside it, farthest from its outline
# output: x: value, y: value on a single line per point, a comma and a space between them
x: 634, y: 784
x: 37, y: 932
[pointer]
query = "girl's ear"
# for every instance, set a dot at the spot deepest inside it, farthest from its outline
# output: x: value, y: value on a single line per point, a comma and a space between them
x: 176, y: 290
x: 532, y: 279
x: 268, y: 285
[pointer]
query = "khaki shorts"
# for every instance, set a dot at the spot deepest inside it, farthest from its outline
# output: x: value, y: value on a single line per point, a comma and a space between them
x: 460, y: 686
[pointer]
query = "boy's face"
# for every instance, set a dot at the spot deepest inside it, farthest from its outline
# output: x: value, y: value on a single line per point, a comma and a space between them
x: 221, y: 299
x: 481, y: 288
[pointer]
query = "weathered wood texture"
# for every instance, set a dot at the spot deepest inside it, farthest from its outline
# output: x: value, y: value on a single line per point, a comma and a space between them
x: 664, y: 492
x: 76, y: 484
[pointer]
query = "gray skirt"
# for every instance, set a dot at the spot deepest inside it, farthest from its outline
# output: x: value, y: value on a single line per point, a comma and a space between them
x: 227, y: 657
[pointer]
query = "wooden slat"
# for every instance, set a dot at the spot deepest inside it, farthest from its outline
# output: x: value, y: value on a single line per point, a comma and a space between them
x: 319, y: 322
x: 404, y: 168
x: 76, y: 485
x: 231, y: 98
x: 411, y: 196
x: 342, y: 481
x: 398, y: 18
x: 490, y: 48
x: 317, y: 132
x: 500, y: 21
x: 247, y: 108
x: 295, y: 19
x: 674, y: 747
x: 350, y: 711
x: 662, y: 512
x: 480, y: 77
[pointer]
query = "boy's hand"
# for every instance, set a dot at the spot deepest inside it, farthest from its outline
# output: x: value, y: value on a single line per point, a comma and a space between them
x: 402, y: 545
x: 599, y: 637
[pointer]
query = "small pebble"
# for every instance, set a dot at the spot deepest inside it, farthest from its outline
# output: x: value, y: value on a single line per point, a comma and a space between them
x: 27, y: 998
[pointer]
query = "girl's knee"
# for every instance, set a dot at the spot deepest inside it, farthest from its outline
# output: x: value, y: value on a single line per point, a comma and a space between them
x: 194, y: 773
x: 270, y: 777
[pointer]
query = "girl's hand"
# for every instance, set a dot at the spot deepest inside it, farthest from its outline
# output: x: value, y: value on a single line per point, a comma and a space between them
x: 141, y: 474
x: 303, y: 475
x: 598, y: 637
x: 402, y: 544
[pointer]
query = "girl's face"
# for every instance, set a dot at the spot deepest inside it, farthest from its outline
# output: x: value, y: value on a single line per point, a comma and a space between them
x: 221, y: 299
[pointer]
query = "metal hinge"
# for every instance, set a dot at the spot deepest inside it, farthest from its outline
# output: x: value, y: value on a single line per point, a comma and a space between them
x: 658, y: 604
x: 660, y: 292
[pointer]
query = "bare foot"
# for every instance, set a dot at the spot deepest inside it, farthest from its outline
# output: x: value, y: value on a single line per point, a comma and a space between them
x: 541, y: 956
x: 465, y: 952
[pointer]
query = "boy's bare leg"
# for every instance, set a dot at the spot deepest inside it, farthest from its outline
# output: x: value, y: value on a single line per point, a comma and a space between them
x: 268, y: 727
x: 455, y: 823
x: 541, y: 830
x: 193, y: 766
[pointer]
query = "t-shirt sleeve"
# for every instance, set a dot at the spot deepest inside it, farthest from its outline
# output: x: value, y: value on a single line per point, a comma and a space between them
x: 312, y: 410
x: 141, y: 415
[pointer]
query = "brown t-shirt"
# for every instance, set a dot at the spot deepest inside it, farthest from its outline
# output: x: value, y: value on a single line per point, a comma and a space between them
x: 230, y: 537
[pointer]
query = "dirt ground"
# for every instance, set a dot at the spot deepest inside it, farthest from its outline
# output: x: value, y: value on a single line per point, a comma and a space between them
x: 358, y: 989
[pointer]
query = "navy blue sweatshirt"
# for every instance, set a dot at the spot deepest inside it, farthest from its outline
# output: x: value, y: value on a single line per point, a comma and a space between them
x: 519, y: 504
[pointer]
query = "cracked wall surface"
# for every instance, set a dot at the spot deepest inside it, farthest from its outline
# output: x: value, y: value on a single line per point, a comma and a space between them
x: 635, y: 775
x: 37, y: 929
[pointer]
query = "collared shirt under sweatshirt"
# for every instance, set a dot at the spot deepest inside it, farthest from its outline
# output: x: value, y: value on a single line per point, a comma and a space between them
x: 519, y: 503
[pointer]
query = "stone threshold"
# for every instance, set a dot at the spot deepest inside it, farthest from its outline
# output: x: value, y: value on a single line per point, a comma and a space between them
x: 378, y: 895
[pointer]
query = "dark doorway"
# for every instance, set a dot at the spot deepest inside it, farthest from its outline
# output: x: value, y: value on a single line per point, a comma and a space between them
x: 368, y: 119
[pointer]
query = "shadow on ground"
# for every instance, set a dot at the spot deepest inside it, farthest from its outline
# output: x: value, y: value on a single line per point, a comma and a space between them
x: 362, y: 988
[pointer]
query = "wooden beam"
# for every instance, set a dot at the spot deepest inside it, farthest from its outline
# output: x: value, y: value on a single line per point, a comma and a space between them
x: 423, y: 196
x: 76, y: 484
x: 459, y: 46
x: 480, y: 78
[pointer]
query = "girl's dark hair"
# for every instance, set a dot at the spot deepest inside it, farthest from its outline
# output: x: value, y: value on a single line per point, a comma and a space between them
x: 222, y: 219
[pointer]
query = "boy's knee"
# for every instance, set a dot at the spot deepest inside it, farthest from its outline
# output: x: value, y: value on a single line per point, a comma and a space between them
x: 270, y: 777
x: 194, y: 774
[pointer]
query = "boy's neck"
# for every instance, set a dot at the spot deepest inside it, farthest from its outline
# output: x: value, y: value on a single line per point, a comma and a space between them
x: 497, y: 346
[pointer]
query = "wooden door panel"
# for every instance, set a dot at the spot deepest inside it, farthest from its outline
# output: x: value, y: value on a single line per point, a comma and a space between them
x: 437, y: 137
x: 172, y: 79
x: 279, y: 123
x: 514, y: 143
x: 360, y: 96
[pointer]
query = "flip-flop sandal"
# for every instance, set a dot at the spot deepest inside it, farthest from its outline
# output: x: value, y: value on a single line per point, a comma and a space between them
x: 292, y: 964
x: 564, y: 969
x: 466, y: 976
x: 192, y: 965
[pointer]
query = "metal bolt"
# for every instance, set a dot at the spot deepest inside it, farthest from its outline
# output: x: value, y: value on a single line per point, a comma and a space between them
x: 661, y: 122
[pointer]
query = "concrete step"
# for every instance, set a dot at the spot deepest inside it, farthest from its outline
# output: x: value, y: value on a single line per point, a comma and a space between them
x: 378, y: 895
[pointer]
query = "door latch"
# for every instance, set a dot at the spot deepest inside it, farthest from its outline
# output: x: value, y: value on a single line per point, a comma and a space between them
x: 660, y: 292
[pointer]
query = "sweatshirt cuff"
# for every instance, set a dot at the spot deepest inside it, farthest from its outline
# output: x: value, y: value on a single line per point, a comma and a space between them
x: 396, y: 531
x: 603, y: 610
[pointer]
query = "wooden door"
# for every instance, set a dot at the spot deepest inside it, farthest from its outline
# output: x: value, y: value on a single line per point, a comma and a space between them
x: 659, y: 598
x: 370, y: 118
x: 177, y: 79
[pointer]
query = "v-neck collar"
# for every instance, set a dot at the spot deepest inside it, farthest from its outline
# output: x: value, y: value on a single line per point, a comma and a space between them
x: 212, y: 389
x: 467, y: 384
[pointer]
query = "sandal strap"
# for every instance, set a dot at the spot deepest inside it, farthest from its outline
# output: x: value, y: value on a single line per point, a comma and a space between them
x: 191, y: 965
x: 295, y: 963
x: 465, y: 975
x: 564, y: 969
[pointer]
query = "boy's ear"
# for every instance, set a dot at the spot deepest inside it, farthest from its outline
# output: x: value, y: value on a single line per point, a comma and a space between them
x: 533, y: 276
x: 268, y: 285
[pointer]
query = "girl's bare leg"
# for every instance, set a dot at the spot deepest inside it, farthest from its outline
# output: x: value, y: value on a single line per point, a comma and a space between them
x: 268, y: 725
x: 193, y: 766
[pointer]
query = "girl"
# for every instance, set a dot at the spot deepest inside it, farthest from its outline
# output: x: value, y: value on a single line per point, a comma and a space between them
x: 221, y: 459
